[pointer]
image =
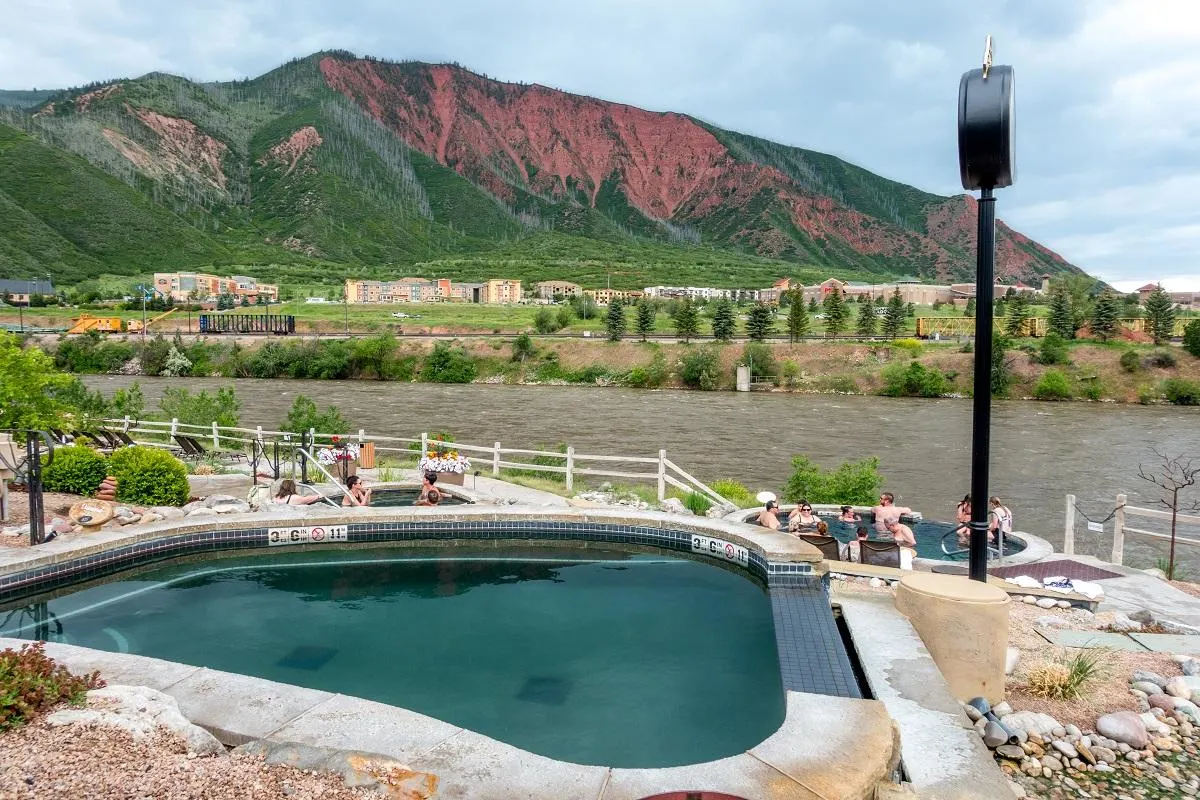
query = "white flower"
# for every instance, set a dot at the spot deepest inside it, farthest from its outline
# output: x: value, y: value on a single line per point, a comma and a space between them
x: 459, y: 464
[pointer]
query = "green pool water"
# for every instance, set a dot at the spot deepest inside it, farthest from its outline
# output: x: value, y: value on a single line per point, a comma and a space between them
x: 587, y: 656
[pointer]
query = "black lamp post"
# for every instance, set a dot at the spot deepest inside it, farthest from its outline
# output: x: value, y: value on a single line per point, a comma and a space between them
x: 986, y: 160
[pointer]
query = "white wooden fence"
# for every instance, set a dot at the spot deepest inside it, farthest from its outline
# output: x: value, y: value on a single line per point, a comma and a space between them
x: 659, y: 469
x: 1121, y: 527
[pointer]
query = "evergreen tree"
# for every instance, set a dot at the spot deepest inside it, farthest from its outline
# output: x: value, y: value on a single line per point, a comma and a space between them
x: 1160, y: 315
x: 614, y: 321
x: 893, y: 321
x: 969, y: 311
x: 687, y: 321
x: 812, y: 305
x: 1104, y: 317
x: 1191, y: 338
x: 645, y: 317
x: 797, y: 318
x: 1062, y: 316
x: 1017, y: 314
x: 760, y: 322
x: 245, y: 301
x: 836, y: 313
x: 724, y: 325
x: 866, y: 318
x: 999, y: 309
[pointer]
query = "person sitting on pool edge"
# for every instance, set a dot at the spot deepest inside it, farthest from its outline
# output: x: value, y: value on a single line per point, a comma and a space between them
x: 429, y: 496
x: 769, y: 517
x: 356, y: 494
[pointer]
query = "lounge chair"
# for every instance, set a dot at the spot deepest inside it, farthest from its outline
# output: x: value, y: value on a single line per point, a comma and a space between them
x: 878, y: 553
x: 121, y: 437
x: 103, y: 440
x: 188, y: 448
x: 202, y: 451
x: 830, y: 547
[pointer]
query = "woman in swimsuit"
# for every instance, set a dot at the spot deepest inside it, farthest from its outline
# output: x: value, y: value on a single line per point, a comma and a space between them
x: 802, y: 520
x: 287, y: 496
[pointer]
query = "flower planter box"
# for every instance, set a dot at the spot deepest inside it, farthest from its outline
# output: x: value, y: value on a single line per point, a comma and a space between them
x: 450, y: 478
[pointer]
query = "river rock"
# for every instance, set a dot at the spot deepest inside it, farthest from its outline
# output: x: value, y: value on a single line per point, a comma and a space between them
x: 231, y: 507
x: 673, y: 505
x: 1063, y: 604
x: 201, y: 511
x: 994, y: 735
x: 1012, y: 657
x: 1052, y: 622
x: 139, y: 710
x: 1029, y: 600
x: 1065, y: 747
x: 1148, y: 676
x: 1164, y: 701
x: 1124, y: 624
x: 1046, y: 602
x: 1104, y: 754
x: 1154, y: 724
x: 972, y: 712
x: 1032, y: 722
x: 1011, y: 751
x: 192, y: 506
x: 1191, y: 667
x: 1085, y: 753
x: 1124, y: 726
x: 1073, y: 732
x: 168, y: 512
x: 1002, y: 709
x: 214, y: 500
x: 1053, y: 764
x: 1147, y: 688
x: 1143, y: 615
x: 1178, y: 687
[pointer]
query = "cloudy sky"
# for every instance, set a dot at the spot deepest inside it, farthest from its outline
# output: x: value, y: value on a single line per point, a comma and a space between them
x: 1108, y: 100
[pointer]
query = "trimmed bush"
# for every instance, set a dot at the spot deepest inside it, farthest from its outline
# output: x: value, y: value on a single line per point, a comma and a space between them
x: 1131, y: 361
x: 1053, y: 385
x: 74, y: 470
x: 1181, y: 391
x: 148, y: 476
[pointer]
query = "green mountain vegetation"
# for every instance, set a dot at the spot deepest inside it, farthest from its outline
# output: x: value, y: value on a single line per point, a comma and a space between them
x: 286, y: 178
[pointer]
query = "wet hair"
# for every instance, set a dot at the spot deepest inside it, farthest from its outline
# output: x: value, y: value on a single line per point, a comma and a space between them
x: 771, y: 504
x: 862, y: 532
x: 287, y: 488
x: 846, y: 509
x: 353, y: 479
x: 822, y: 528
x: 995, y: 501
x: 434, y: 497
x: 966, y: 500
x: 891, y: 498
x: 431, y: 477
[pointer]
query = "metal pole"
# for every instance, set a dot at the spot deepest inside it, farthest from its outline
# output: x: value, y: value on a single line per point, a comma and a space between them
x: 981, y: 417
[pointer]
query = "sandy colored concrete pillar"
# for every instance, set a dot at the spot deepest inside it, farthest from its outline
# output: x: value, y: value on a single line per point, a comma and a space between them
x: 964, y: 625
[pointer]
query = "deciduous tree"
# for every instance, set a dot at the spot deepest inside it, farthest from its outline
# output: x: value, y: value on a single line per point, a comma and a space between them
x: 1174, y: 475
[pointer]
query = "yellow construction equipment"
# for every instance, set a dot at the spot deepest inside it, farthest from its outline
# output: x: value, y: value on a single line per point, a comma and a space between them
x: 135, y: 325
x: 87, y: 322
x: 965, y: 326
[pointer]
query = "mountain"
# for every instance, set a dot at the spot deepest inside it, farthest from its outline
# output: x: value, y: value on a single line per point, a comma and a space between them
x: 334, y: 165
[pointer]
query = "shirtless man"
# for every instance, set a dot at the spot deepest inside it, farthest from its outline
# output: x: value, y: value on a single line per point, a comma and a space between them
x: 769, y: 516
x: 902, y: 534
x: 887, y: 511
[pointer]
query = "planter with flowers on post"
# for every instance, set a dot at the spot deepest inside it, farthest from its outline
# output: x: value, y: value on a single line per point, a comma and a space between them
x: 340, y: 458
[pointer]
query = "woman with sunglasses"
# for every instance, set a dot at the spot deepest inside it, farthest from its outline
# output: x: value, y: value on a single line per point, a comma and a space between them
x: 802, y: 519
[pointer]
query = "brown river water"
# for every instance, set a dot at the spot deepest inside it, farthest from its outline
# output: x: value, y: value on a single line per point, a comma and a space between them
x: 1040, y: 451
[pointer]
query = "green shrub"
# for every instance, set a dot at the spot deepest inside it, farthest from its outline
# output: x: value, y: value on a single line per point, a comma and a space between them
x: 304, y: 415
x: 1053, y: 350
x: 1181, y: 391
x: 913, y: 380
x: 790, y: 373
x: 74, y: 470
x: 1131, y: 361
x: 1093, y: 388
x: 129, y: 402
x: 735, y: 492
x: 148, y: 476
x: 760, y: 358
x: 653, y: 375
x: 696, y: 503
x: 1191, y: 337
x: 523, y: 348
x: 32, y: 682
x: 543, y: 461
x: 202, y: 408
x: 1163, y: 359
x: 842, y: 384
x: 700, y: 369
x: 912, y: 346
x: 854, y: 482
x: 446, y: 364
x: 1148, y: 396
x: 1053, y: 385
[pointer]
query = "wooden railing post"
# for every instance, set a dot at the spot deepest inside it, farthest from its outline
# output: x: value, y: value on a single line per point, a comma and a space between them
x: 127, y: 423
x: 662, y: 475
x: 216, y: 437
x: 1069, y: 527
x: 496, y: 460
x: 570, y: 467
x: 174, y: 426
x: 424, y: 444
x: 362, y: 436
x: 1118, y: 551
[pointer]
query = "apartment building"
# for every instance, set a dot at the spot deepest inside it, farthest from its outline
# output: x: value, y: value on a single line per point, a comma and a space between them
x: 435, y: 290
x: 548, y: 290
x: 604, y: 297
x: 182, y: 286
x: 502, y: 291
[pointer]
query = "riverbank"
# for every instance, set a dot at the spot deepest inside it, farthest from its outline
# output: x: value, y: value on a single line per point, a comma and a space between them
x: 1120, y: 373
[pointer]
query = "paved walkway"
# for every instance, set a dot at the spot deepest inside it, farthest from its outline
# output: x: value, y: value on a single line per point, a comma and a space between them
x: 1136, y: 590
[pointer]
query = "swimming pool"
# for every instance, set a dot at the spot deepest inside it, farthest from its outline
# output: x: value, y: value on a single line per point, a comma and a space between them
x: 929, y: 534
x: 593, y: 656
x: 389, y: 497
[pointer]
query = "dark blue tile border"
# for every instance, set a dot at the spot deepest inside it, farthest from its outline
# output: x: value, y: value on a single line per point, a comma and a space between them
x: 812, y: 656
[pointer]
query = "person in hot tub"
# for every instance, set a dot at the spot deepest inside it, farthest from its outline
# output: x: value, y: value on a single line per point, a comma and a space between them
x: 887, y: 511
x: 769, y: 516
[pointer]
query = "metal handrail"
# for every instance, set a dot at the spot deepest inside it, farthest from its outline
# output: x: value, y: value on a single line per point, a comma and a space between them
x: 327, y: 474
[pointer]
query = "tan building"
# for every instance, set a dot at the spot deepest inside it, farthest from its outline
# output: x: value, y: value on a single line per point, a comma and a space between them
x: 182, y: 286
x: 502, y: 291
x: 605, y: 296
x: 548, y: 290
x: 18, y: 292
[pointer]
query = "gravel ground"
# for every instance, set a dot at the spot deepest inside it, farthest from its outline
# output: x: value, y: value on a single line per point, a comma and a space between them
x: 76, y: 762
x: 18, y: 507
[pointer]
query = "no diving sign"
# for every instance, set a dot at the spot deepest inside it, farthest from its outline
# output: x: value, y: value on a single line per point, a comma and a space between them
x: 311, y: 534
x: 719, y: 548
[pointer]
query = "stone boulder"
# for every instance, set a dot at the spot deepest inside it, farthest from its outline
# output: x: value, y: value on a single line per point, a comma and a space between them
x: 231, y: 507
x: 1178, y: 687
x: 168, y: 512
x: 138, y: 710
x: 1124, y: 726
x: 1151, y: 677
x: 1122, y: 623
x: 673, y: 505
x: 1147, y: 688
x: 357, y: 768
x: 1030, y: 722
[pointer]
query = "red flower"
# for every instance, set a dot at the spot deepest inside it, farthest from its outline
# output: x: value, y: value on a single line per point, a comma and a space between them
x: 333, y: 439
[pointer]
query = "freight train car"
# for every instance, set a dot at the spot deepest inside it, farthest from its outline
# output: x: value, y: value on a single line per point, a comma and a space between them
x: 965, y: 326
x: 274, y: 324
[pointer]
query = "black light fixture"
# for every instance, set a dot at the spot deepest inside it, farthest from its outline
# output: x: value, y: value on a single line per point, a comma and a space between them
x: 987, y: 161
